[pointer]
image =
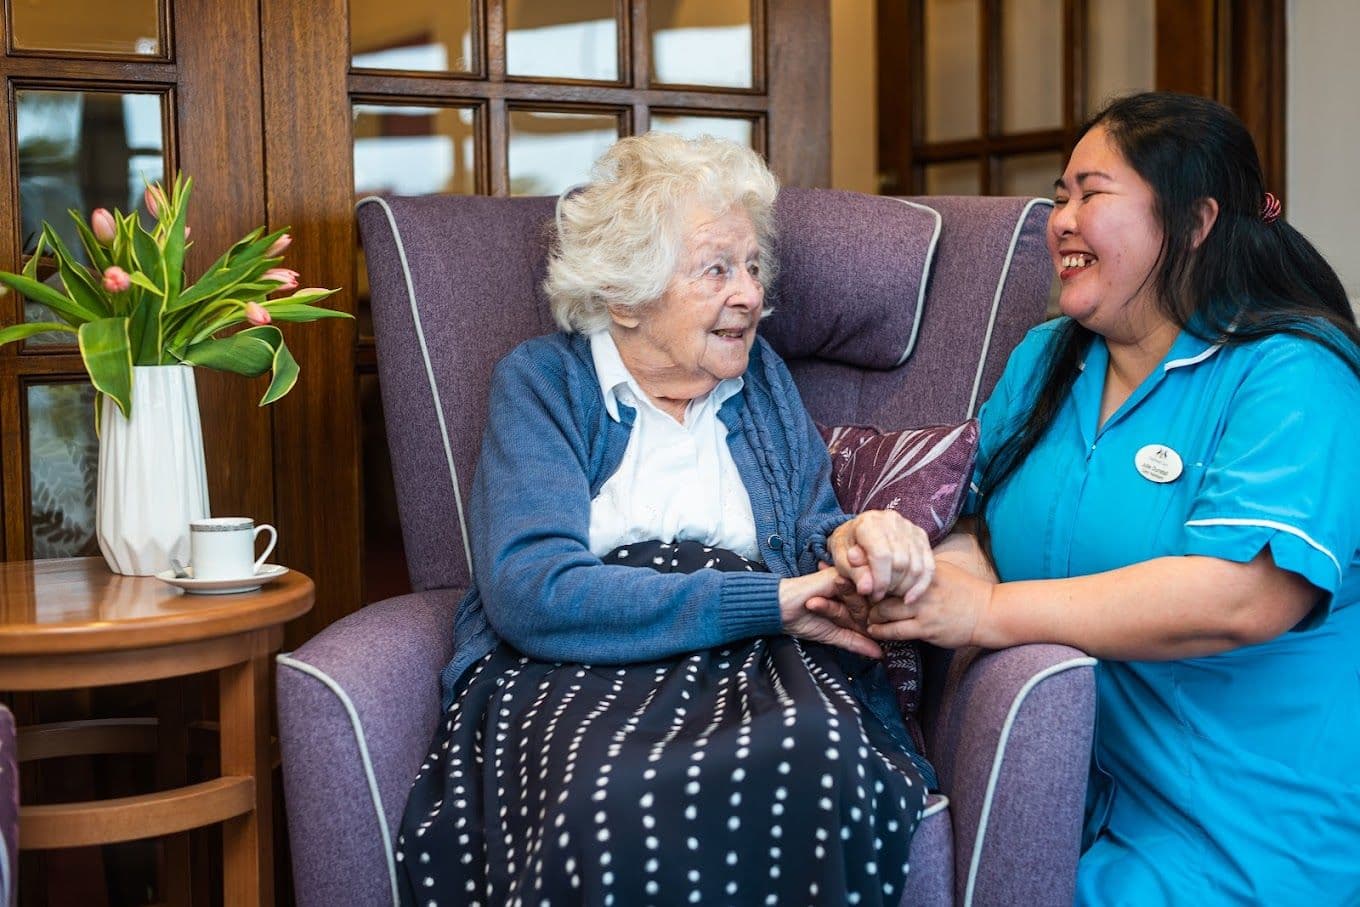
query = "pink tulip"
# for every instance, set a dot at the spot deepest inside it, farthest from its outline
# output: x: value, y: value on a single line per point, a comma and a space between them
x: 116, y: 280
x: 154, y: 197
x: 187, y: 231
x: 276, y: 249
x: 286, y: 278
x: 103, y: 226
x: 257, y: 314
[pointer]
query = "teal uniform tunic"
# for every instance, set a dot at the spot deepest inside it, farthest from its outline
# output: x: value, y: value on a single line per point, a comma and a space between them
x: 1232, y: 778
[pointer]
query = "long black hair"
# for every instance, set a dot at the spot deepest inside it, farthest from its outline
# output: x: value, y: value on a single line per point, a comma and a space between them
x: 1249, y: 278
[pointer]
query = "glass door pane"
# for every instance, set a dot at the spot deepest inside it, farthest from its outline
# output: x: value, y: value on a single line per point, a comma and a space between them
x: 741, y: 130
x: 130, y: 27
x: 701, y: 42
x: 1122, y: 49
x: 552, y: 150
x: 416, y: 35
x: 578, y: 40
x: 1031, y: 64
x: 63, y: 455
x: 952, y: 64
x: 82, y: 150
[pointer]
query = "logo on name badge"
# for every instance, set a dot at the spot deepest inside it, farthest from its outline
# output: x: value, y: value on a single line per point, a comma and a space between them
x: 1158, y: 463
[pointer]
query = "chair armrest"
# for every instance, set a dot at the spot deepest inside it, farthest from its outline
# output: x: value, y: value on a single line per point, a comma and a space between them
x: 357, y: 707
x: 1011, y: 739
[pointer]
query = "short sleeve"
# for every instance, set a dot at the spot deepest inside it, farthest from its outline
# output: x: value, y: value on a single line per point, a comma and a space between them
x: 1008, y: 403
x: 1285, y: 473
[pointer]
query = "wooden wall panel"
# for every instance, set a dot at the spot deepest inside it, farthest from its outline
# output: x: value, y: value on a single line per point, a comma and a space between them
x: 309, y: 177
x: 799, y: 78
x: 217, y: 132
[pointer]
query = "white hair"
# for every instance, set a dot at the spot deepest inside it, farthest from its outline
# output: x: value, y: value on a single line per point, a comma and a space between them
x: 619, y: 238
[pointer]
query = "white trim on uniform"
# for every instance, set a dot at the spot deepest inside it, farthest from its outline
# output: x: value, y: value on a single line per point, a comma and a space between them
x: 1191, y: 360
x: 1271, y: 524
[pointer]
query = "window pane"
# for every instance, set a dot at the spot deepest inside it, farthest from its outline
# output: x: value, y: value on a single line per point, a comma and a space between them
x: 738, y: 129
x: 88, y: 26
x: 951, y: 69
x: 707, y: 42
x: 414, y: 150
x: 82, y: 150
x: 1031, y: 174
x: 1031, y: 64
x: 63, y: 456
x: 1122, y: 49
x: 954, y: 178
x: 421, y: 35
x: 551, y: 151
x: 578, y: 40
x: 410, y: 151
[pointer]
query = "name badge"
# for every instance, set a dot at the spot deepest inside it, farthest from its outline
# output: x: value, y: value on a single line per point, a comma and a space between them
x: 1158, y: 463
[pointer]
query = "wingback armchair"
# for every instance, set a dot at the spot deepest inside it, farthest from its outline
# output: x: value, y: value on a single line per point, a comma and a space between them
x: 894, y: 312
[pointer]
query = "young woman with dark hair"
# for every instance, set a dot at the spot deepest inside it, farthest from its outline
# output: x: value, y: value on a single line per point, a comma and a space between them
x: 1169, y: 480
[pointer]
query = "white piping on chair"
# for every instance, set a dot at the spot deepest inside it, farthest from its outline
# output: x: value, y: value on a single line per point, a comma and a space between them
x: 925, y: 276
x: 429, y: 369
x: 1000, y: 755
x: 367, y: 762
x: 996, y: 301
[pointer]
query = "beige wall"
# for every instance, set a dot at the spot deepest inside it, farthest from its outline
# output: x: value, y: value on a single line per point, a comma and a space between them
x: 854, y: 100
x: 1322, y: 197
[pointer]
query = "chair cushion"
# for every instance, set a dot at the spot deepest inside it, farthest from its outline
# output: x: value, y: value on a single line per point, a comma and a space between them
x: 852, y: 276
x: 921, y: 473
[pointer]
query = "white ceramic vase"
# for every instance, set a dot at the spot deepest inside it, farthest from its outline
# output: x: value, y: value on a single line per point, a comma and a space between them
x: 152, y: 479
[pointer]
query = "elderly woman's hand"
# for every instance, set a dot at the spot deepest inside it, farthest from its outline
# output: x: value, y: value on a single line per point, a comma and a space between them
x: 946, y: 614
x: 883, y: 555
x: 809, y: 608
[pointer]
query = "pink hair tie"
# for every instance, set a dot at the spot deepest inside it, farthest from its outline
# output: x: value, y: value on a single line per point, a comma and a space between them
x: 1270, y: 208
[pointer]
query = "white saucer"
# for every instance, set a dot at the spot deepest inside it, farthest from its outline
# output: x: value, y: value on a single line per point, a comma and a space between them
x: 266, y: 574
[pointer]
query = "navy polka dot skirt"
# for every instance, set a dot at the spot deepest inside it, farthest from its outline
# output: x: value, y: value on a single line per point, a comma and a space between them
x: 745, y: 774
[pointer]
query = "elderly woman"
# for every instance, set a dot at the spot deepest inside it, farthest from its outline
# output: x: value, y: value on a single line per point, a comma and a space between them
x: 662, y: 692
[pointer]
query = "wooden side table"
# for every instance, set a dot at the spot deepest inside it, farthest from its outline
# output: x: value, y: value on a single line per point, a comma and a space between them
x: 70, y: 623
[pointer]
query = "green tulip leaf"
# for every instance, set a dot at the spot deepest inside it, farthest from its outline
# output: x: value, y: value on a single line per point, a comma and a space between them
x: 79, y: 282
x: 285, y: 311
x: 141, y: 280
x: 248, y: 353
x: 55, y: 300
x: 29, y: 328
x: 285, y: 375
x: 107, y: 351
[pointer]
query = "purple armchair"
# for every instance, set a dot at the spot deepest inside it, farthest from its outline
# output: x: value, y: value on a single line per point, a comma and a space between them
x: 889, y: 311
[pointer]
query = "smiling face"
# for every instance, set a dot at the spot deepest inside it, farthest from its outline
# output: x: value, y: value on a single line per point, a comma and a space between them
x: 701, y: 330
x: 1106, y: 241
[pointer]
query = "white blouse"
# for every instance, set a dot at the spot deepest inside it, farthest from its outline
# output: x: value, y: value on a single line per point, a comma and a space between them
x: 675, y: 482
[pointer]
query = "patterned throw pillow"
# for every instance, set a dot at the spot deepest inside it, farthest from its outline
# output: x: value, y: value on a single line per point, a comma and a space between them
x: 921, y: 473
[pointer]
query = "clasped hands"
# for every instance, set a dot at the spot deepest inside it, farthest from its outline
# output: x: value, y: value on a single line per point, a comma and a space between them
x: 885, y: 583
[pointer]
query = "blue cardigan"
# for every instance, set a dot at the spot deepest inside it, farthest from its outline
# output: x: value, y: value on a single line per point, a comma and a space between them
x: 550, y: 445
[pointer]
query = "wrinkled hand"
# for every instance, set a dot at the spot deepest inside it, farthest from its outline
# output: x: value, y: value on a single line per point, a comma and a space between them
x: 883, y: 554
x: 810, y: 608
x: 947, y: 614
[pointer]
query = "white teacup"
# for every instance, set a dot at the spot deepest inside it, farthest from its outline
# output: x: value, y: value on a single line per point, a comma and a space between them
x: 223, y: 547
